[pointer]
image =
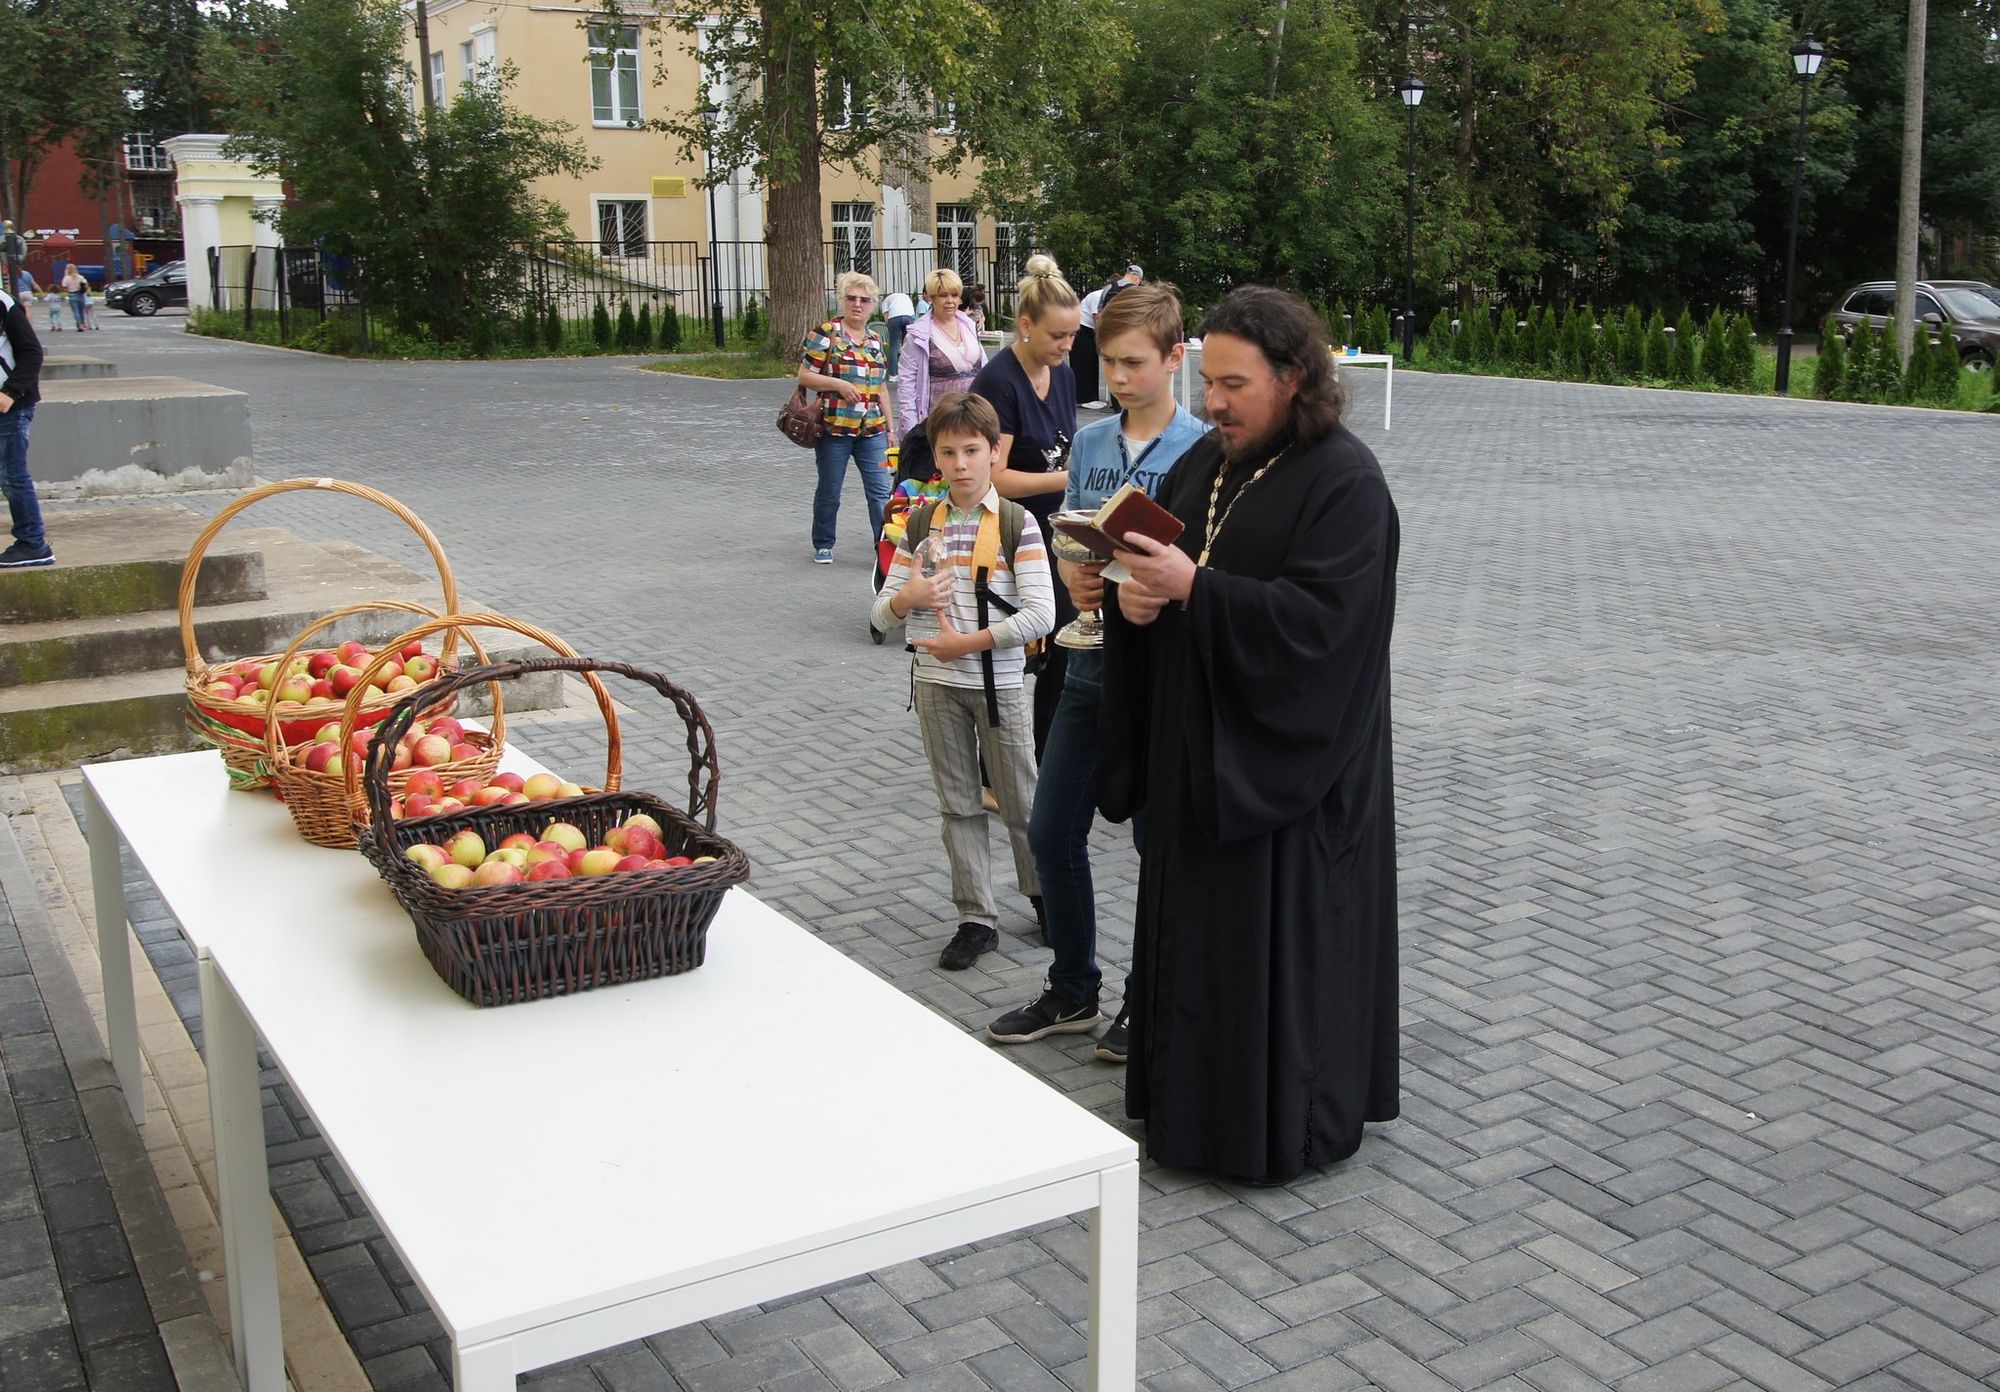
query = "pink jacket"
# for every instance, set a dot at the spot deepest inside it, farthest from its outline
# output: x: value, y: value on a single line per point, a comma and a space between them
x: 916, y: 390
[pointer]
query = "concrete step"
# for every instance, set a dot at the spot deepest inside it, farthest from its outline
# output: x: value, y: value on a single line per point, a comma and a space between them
x: 110, y: 435
x: 302, y: 580
x: 127, y: 560
x: 63, y: 367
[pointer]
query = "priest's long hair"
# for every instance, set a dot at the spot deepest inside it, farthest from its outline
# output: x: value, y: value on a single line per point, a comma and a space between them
x: 1293, y: 340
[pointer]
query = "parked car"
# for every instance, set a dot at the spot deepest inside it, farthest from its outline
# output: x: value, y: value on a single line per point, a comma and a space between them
x: 1967, y: 306
x: 163, y: 285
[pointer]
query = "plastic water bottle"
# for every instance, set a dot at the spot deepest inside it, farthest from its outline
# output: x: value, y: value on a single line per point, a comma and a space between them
x: 928, y: 559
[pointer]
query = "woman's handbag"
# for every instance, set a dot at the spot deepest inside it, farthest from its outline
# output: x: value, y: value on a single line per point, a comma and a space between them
x: 800, y: 420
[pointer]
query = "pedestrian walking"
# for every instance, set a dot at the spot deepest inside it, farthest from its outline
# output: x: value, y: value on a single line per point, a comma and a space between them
x: 941, y: 352
x: 20, y: 389
x: 77, y: 291
x: 845, y: 363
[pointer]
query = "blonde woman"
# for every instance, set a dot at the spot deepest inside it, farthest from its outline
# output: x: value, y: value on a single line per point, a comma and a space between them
x: 941, y: 350
x: 1033, y: 390
x: 845, y: 364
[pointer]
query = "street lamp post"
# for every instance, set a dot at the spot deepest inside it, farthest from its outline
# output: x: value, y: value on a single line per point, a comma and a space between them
x: 1807, y: 55
x: 714, y: 247
x: 1411, y: 90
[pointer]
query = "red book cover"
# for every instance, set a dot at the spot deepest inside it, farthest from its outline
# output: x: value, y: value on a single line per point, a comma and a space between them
x: 1127, y: 511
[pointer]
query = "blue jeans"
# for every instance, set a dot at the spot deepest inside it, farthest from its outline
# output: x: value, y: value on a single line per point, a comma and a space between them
x: 898, y: 326
x: 1059, y: 830
x: 832, y: 454
x: 76, y: 308
x: 14, y: 478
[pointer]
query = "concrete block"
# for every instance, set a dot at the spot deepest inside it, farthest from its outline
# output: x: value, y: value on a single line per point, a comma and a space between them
x: 119, y: 435
x: 70, y: 367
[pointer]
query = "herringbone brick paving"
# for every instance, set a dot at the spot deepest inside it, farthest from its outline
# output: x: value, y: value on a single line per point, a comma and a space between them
x: 1701, y: 925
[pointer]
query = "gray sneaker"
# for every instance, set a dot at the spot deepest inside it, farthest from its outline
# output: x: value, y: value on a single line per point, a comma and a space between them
x: 1116, y: 1044
x: 1043, y: 1016
x: 21, y: 556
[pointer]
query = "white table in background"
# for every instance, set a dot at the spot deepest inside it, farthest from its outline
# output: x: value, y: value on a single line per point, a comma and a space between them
x: 1187, y: 383
x: 567, y: 1175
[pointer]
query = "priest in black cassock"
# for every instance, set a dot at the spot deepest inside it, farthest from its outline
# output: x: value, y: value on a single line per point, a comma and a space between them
x: 1246, y: 714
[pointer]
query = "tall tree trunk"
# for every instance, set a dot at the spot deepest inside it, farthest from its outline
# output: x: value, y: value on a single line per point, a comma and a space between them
x: 793, y: 246
x: 1913, y: 177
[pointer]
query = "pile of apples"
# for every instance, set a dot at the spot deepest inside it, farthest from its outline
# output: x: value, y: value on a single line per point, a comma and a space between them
x: 427, y: 795
x: 561, y: 852
x: 427, y: 743
x: 329, y: 674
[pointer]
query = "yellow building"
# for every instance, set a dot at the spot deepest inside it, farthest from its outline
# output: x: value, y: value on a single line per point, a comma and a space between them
x: 643, y: 204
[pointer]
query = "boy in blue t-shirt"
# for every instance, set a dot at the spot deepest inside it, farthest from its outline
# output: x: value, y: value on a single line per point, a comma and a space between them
x: 1139, y: 350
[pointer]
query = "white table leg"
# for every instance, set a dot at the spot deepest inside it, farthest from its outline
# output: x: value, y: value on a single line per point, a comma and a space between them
x: 114, y: 951
x: 483, y: 1367
x: 1388, y: 392
x: 249, y: 1255
x: 1114, y: 1282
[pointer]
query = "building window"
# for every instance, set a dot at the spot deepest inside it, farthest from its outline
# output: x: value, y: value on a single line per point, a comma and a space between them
x: 485, y: 48
x: 143, y: 156
x: 854, y: 237
x: 438, y: 97
x: 958, y: 239
x: 614, y: 74
x: 944, y: 116
x: 465, y: 68
x: 839, y: 104
x: 153, y: 206
x: 1013, y: 244
x: 621, y: 227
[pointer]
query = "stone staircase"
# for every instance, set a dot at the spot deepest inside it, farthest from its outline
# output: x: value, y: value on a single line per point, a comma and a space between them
x: 91, y: 657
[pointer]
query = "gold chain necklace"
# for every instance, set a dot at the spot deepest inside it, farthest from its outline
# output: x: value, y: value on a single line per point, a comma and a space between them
x: 1213, y: 528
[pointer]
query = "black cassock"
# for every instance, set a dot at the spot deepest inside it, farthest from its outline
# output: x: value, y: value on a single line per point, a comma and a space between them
x: 1252, y: 726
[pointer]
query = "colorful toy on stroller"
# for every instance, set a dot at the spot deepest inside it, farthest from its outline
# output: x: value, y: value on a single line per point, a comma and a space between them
x: 917, y: 483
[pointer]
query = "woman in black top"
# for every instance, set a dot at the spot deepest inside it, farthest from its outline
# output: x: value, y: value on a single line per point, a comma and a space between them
x: 1033, y: 390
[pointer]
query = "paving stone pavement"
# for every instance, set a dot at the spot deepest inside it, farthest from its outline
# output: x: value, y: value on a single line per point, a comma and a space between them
x: 1696, y: 741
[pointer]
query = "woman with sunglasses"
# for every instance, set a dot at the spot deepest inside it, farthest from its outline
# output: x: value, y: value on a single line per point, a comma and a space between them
x: 846, y: 365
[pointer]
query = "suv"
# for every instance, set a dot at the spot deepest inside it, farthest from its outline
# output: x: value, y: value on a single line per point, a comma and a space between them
x: 163, y: 285
x: 1968, y: 306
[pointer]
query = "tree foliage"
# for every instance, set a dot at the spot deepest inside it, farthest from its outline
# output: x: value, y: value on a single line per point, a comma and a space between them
x: 432, y: 205
x: 63, y: 81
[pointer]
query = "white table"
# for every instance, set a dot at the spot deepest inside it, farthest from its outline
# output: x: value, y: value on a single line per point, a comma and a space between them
x: 566, y: 1175
x: 1187, y: 382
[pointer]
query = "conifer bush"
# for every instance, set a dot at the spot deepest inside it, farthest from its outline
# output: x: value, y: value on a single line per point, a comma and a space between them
x: 1632, y: 344
x: 1714, y: 343
x: 1860, y: 349
x: 1437, y: 338
x: 553, y: 329
x: 1479, y: 336
x: 1507, y: 340
x: 600, y: 325
x: 1681, y: 366
x: 753, y: 321
x: 626, y: 335
x: 1659, y: 347
x: 1830, y: 371
x: 643, y: 334
x: 670, y: 328
x: 1741, y: 353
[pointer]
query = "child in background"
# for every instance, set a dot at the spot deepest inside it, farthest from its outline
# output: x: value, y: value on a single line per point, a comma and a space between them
x: 53, y: 301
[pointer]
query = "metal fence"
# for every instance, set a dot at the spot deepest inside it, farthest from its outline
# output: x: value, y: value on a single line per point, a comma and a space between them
x: 295, y: 283
x: 744, y: 270
x: 574, y: 277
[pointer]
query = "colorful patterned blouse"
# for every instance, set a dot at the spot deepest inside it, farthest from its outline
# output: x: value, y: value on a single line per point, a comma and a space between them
x: 829, y: 350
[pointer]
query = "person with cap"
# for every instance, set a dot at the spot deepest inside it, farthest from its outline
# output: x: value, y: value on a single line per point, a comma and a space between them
x: 1083, y: 360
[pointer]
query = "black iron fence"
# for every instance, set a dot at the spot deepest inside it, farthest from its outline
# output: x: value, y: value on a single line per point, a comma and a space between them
x: 296, y: 284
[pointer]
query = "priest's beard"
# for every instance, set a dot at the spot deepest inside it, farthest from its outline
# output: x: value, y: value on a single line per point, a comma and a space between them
x: 1260, y: 449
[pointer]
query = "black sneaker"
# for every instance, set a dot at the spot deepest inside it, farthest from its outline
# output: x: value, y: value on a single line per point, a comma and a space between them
x: 1043, y: 1016
x: 964, y: 948
x: 21, y: 556
x: 1117, y: 1040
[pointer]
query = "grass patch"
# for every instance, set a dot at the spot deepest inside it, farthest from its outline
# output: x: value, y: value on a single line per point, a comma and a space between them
x: 728, y: 366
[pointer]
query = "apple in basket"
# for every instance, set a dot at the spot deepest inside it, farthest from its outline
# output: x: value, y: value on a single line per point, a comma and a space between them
x: 420, y: 668
x: 600, y: 860
x: 322, y: 662
x: 431, y: 750
x: 427, y: 857
x: 446, y: 726
x: 645, y: 820
x: 540, y: 785
x: 569, y: 837
x: 343, y: 679
x: 466, y: 848
x: 464, y: 788
x: 548, y: 870
x: 293, y: 689
x: 426, y: 782
x: 451, y: 875
x: 543, y: 852
x: 512, y: 782
x: 318, y: 756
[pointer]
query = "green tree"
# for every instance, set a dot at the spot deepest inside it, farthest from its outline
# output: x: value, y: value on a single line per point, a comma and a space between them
x: 64, y: 82
x: 1005, y: 68
x: 1479, y: 335
x: 529, y: 333
x: 1860, y: 361
x: 1632, y: 345
x: 626, y: 334
x: 753, y: 324
x: 1461, y: 338
x: 1338, y: 329
x: 1884, y: 371
x: 1681, y: 365
x: 670, y: 327
x: 1830, y: 369
x: 1548, y: 342
x: 600, y: 324
x: 1437, y: 342
x: 1611, y: 349
x: 642, y: 334
x: 1507, y: 340
x: 1947, y: 368
x: 1659, y: 347
x: 1741, y: 354
x: 431, y: 205
x: 553, y: 332
x: 1378, y: 329
x: 1714, y: 343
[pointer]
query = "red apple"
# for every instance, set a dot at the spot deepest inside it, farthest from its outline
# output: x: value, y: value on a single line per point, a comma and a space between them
x: 322, y: 690
x: 487, y: 797
x: 419, y: 805
x: 318, y: 756
x: 389, y: 669
x: 353, y: 654
x: 510, y: 781
x: 427, y: 855
x: 630, y: 862
x: 599, y: 860
x: 402, y: 759
x: 398, y: 684
x: 465, y: 788
x: 641, y: 819
x: 565, y: 835
x: 573, y: 862
x: 521, y: 839
x: 222, y: 690
x: 548, y: 870
x: 293, y: 689
x: 452, y: 876
x: 544, y: 850
x: 450, y: 804
x: 426, y: 782
x: 678, y: 861
x: 515, y: 800
x: 342, y: 679
x: 322, y: 662
x: 462, y: 752
x: 358, y: 742
x: 497, y: 872
x: 431, y: 751
x: 541, y: 785
x: 411, y: 648
x: 420, y: 669
x: 446, y: 726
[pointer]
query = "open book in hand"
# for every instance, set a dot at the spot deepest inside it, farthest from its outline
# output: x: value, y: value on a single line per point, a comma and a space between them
x: 1127, y: 511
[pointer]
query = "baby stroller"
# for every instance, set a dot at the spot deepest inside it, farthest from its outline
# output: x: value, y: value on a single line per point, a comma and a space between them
x: 917, y: 484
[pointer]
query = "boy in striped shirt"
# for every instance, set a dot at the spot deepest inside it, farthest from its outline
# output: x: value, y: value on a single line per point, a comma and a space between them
x: 993, y: 596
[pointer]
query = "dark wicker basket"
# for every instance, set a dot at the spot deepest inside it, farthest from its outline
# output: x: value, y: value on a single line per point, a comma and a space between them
x: 500, y: 944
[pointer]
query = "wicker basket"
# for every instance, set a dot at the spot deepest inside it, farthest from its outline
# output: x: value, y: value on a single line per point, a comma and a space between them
x: 506, y: 943
x: 236, y: 728
x: 323, y: 804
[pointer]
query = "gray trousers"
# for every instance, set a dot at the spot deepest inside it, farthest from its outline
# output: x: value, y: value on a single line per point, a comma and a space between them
x: 953, y: 722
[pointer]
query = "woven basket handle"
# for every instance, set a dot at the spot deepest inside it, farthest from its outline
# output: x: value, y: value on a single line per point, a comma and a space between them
x: 191, y: 568
x: 382, y: 750
x: 704, y: 772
